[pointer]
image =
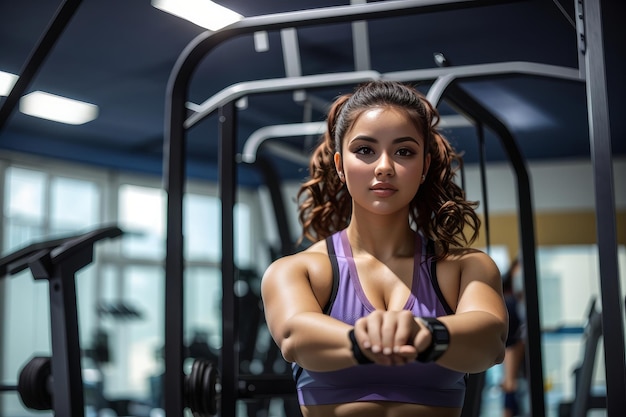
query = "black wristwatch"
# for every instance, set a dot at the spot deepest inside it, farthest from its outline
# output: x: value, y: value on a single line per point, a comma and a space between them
x: 439, y: 343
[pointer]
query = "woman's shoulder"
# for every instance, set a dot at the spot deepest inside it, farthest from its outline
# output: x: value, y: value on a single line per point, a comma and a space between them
x: 472, y: 260
x: 318, y: 247
x: 308, y: 259
x: 310, y: 267
x: 466, y: 257
x: 465, y: 253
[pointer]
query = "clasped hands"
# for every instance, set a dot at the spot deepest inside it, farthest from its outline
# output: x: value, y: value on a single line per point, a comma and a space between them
x: 391, y: 337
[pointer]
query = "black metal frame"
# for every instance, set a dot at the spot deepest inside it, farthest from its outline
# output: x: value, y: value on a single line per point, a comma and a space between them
x: 468, y: 105
x: 592, y: 48
x: 584, y: 375
x: 174, y: 174
x: 54, y: 30
x: 589, y: 37
x: 601, y: 158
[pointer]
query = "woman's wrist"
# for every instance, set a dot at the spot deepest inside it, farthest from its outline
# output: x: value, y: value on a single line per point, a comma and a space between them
x: 357, y: 353
x: 439, y: 342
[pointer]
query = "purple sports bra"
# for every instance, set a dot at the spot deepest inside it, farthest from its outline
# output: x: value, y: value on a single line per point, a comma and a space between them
x: 416, y: 383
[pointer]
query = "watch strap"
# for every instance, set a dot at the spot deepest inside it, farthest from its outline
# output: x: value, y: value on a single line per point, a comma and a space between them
x: 439, y: 342
x: 358, y: 354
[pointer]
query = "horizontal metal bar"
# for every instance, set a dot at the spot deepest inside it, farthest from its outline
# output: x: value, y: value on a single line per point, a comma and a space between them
x: 259, y: 136
x: 238, y: 90
x: 262, y: 135
x: 289, y: 154
x: 491, y: 69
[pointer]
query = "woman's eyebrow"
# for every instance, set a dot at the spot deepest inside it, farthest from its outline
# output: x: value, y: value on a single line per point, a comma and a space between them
x: 395, y: 141
x: 406, y: 139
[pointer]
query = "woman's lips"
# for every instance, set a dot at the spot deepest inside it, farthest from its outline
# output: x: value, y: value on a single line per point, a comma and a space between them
x: 383, y: 189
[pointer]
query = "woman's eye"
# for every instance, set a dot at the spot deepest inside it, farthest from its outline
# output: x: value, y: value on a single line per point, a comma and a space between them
x: 405, y: 152
x: 364, y: 150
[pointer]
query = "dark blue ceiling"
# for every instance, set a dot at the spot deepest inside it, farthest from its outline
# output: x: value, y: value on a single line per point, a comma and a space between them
x: 119, y: 55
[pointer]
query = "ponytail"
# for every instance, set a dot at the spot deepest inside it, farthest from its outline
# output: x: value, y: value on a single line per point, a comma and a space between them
x: 324, y: 202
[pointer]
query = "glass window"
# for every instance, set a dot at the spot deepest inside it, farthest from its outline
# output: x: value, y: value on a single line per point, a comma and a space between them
x: 25, y: 207
x: 203, y: 230
x: 203, y: 305
x: 132, y: 316
x: 243, y: 244
x: 75, y: 204
x: 203, y: 227
x: 25, y: 194
x: 142, y: 217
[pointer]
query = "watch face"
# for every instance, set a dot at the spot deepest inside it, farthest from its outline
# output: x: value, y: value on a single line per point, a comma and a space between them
x: 440, y: 335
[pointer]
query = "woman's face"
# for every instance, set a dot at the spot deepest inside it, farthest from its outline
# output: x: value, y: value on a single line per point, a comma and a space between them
x: 383, y: 160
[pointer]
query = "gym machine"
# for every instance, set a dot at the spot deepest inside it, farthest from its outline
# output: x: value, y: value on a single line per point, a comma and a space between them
x: 584, y: 399
x: 590, y: 72
x: 55, y: 382
x: 56, y: 261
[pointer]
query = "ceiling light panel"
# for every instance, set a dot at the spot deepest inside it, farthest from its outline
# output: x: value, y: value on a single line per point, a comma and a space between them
x: 204, y: 13
x: 7, y: 81
x: 58, y: 108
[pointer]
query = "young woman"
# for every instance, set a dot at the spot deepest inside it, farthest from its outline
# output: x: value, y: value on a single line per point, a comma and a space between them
x: 386, y: 313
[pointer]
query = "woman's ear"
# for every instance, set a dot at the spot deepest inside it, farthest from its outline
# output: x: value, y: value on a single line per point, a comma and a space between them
x: 426, y: 166
x: 338, y: 165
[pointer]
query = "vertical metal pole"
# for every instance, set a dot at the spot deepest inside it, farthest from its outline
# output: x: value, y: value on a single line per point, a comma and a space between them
x: 534, y: 356
x: 173, y: 380
x: 228, y: 182
x: 601, y: 158
x: 174, y: 177
x: 67, y: 390
x: 534, y: 363
x: 38, y: 55
x: 272, y: 180
x: 483, y: 181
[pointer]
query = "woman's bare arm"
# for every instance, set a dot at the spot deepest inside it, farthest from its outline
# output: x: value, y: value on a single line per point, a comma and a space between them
x: 303, y: 333
x: 478, y: 329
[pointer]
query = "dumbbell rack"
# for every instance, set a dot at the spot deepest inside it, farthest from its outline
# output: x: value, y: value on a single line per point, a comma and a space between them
x: 58, y: 261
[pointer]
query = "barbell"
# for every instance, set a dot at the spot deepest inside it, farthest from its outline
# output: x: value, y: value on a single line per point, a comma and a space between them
x: 201, y: 385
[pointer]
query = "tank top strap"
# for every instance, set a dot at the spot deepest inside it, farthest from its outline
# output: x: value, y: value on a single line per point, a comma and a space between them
x: 330, y: 245
x: 426, y: 299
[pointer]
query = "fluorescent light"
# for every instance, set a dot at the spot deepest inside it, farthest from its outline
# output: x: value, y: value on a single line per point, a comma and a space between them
x: 57, y: 108
x: 454, y: 120
x: 203, y: 13
x: 7, y: 81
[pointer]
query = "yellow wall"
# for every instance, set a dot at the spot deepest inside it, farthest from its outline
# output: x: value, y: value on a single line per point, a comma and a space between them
x: 551, y: 228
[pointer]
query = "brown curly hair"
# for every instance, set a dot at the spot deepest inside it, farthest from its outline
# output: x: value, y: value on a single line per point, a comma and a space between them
x: 439, y: 208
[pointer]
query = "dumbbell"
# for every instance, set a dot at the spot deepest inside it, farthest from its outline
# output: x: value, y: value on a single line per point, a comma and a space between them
x: 34, y: 384
x: 202, y: 388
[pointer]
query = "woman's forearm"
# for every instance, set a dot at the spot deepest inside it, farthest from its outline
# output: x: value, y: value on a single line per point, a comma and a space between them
x: 317, y: 342
x: 476, y: 341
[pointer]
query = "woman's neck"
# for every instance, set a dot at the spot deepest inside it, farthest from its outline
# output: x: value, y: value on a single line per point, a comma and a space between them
x: 385, y: 238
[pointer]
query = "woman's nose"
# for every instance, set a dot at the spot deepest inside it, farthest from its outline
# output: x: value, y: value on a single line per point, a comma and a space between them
x: 384, y: 166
